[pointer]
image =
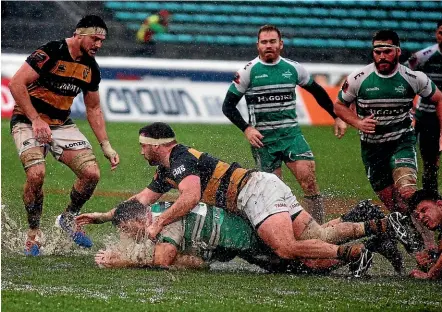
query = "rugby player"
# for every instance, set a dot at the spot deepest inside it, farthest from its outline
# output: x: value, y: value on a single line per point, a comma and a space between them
x: 205, y: 235
x: 427, y: 128
x: 44, y: 89
x: 268, y: 83
x: 383, y: 92
x: 427, y: 207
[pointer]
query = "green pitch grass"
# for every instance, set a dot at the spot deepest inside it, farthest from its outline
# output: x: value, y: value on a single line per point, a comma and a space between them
x: 66, y: 279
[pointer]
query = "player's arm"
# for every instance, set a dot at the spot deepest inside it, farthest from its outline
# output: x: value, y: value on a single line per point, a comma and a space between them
x: 165, y: 254
x: 436, y: 98
x: 344, y: 112
x: 146, y: 196
x: 18, y: 86
x: 321, y: 96
x: 190, y: 195
x: 231, y: 111
x: 96, y: 120
x: 190, y: 262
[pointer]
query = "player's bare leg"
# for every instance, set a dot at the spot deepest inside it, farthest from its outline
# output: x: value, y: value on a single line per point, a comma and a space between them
x: 305, y: 173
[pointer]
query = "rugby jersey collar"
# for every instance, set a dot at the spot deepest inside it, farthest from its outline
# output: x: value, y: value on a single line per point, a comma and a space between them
x: 386, y: 76
x: 272, y: 64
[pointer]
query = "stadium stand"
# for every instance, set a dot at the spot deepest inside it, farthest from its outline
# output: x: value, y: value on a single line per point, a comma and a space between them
x: 314, y: 31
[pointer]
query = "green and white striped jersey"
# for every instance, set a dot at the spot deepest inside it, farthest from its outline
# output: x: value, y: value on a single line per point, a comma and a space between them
x: 388, y: 98
x: 206, y: 229
x: 429, y: 61
x: 270, y: 95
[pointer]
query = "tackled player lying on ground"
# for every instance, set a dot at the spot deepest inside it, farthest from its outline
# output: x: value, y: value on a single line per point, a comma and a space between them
x: 211, y: 234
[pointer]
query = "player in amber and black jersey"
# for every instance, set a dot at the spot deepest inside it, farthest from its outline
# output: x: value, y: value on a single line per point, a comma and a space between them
x: 44, y: 89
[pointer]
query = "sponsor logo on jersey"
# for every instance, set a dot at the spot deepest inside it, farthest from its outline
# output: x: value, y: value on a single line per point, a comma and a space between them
x: 274, y: 98
x: 388, y: 112
x: 26, y: 143
x: 427, y: 51
x: 39, y: 57
x: 287, y: 74
x: 73, y: 144
x: 400, y: 89
x: 86, y: 72
x: 261, y: 76
x: 372, y: 89
x: 178, y: 171
x: 61, y: 68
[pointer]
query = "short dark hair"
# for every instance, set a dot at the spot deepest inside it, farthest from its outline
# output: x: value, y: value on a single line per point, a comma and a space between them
x: 129, y: 210
x: 422, y: 195
x: 269, y: 28
x: 91, y: 21
x: 386, y: 34
x: 157, y: 130
x: 439, y: 23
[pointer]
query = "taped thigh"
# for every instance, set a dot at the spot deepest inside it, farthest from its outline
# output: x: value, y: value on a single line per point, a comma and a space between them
x: 82, y: 160
x: 314, y: 231
x: 405, y: 180
x: 32, y: 157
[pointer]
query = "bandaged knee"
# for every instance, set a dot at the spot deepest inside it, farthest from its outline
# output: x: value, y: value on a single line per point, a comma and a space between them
x: 82, y: 160
x: 405, y: 181
x: 32, y: 157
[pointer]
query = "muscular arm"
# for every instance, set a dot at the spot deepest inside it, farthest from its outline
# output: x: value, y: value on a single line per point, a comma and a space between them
x: 18, y: 86
x: 190, y: 195
x: 231, y: 111
x: 437, y: 100
x: 147, y: 196
x: 165, y: 254
x: 95, y: 115
x: 321, y: 97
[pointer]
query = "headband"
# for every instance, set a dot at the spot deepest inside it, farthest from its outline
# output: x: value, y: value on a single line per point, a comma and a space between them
x: 385, y: 45
x: 89, y: 31
x: 152, y: 141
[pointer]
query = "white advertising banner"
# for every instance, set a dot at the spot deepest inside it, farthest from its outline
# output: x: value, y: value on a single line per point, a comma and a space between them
x: 170, y: 101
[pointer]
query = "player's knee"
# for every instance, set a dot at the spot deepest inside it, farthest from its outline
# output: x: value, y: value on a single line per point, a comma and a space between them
x: 405, y: 181
x: 35, y: 176
x: 84, y: 165
x: 32, y: 157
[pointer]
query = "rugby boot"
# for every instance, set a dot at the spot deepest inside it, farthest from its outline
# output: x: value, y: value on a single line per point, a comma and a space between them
x: 360, y: 266
x: 32, y: 245
x: 387, y: 247
x: 363, y: 211
x: 398, y: 227
x: 66, y: 222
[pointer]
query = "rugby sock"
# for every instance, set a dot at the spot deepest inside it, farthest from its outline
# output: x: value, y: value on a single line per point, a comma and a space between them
x: 349, y: 253
x: 315, y: 206
x: 374, y: 227
x: 77, y: 201
x: 34, y: 211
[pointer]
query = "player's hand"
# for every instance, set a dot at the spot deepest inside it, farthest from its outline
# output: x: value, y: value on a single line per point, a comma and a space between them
x: 440, y: 143
x: 340, y: 127
x: 153, y: 230
x: 42, y: 132
x: 110, y: 154
x: 367, y: 124
x: 254, y: 137
x: 103, y: 258
x: 88, y: 218
x: 419, y: 274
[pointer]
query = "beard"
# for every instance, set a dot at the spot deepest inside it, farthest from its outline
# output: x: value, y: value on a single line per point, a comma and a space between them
x: 388, y: 69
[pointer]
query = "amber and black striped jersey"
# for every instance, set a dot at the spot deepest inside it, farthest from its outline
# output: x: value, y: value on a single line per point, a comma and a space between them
x: 220, y: 182
x: 61, y: 80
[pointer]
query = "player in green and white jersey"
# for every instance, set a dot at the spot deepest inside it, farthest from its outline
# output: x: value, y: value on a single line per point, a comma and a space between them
x: 268, y: 83
x: 429, y: 61
x: 209, y: 234
x: 383, y: 92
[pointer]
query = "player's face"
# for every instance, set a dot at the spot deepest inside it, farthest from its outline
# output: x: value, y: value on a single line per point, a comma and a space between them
x: 148, y: 151
x: 90, y: 44
x: 439, y: 37
x: 386, y: 58
x: 269, y: 46
x: 429, y: 213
